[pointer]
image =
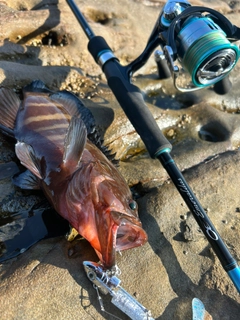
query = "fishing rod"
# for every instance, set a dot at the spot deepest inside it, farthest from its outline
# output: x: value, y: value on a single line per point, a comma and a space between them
x: 202, y: 41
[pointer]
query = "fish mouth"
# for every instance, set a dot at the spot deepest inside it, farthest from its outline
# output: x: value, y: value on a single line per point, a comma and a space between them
x: 118, y: 232
x: 129, y: 236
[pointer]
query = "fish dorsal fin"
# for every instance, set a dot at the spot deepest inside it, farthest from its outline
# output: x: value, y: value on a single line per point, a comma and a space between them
x: 36, y: 86
x: 25, y: 154
x: 67, y: 101
x: 26, y: 180
x: 74, y: 143
x: 75, y: 107
x: 9, y: 105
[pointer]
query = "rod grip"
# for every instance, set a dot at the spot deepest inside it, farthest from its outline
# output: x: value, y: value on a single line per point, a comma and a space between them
x: 131, y: 100
x: 96, y: 46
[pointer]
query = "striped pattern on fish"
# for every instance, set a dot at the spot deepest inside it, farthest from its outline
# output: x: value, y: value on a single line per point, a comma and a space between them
x: 52, y: 132
x: 43, y: 124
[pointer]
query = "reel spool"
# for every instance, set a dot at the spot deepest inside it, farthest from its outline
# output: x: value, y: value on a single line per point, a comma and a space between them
x: 205, y: 52
x: 199, y: 42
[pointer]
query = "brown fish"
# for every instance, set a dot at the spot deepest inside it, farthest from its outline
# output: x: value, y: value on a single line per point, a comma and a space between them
x: 53, y: 132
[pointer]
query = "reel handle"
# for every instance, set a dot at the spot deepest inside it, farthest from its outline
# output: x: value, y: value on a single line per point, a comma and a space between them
x: 223, y: 86
x: 162, y: 65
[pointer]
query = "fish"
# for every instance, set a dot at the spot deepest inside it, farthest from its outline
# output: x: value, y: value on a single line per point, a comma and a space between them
x: 57, y: 142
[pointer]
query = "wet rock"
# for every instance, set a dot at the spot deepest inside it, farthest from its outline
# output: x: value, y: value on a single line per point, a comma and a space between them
x: 214, y: 4
x: 201, y: 123
x: 27, y: 21
x: 18, y: 75
x: 190, y: 230
x: 8, y: 170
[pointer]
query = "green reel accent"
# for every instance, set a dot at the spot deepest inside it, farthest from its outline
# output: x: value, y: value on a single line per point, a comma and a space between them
x: 205, y: 49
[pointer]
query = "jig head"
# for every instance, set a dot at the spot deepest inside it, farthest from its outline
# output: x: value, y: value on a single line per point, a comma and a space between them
x: 106, y: 282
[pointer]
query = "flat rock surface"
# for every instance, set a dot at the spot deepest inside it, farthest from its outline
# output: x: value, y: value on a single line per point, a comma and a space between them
x: 42, y: 40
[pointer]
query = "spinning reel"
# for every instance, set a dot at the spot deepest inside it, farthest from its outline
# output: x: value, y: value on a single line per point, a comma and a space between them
x: 199, y: 39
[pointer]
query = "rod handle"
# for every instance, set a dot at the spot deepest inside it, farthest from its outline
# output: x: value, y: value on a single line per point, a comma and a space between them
x: 131, y: 100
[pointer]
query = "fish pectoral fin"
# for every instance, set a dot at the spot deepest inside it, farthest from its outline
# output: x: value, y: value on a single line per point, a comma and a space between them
x: 75, y: 141
x: 26, y: 180
x: 9, y: 105
x: 25, y: 154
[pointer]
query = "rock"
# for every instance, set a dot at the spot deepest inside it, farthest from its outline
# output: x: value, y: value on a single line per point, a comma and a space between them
x: 43, y: 40
x: 8, y: 170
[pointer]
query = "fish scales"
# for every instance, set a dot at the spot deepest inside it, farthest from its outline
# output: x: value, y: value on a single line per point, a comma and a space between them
x: 44, y: 124
x: 48, y: 119
x: 83, y: 186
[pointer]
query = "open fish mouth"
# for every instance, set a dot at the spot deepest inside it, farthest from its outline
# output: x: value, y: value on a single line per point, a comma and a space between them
x: 129, y: 236
x: 118, y: 231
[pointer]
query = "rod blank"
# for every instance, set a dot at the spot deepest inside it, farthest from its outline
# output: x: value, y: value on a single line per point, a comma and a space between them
x: 80, y: 18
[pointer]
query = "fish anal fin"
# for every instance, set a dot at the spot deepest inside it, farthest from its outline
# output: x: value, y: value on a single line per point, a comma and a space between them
x: 74, y: 144
x: 9, y: 105
x: 25, y: 154
x: 26, y: 180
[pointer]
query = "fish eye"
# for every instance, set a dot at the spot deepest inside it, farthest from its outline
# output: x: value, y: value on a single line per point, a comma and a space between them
x: 133, y: 205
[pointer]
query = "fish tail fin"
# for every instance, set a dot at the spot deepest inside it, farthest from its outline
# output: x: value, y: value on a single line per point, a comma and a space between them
x: 9, y: 105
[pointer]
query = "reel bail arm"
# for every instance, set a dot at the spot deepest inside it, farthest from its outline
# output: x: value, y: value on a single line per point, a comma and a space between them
x: 200, y: 39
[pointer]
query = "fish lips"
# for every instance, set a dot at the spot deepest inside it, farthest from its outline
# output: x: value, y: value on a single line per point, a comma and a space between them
x: 129, y: 233
x: 117, y: 231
